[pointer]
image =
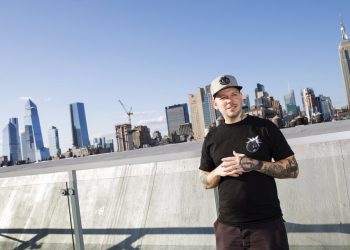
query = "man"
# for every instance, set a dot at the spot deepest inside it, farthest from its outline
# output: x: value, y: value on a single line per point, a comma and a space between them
x: 237, y: 157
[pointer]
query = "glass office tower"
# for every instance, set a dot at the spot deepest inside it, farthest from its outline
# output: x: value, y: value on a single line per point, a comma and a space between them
x: 79, y: 126
x: 28, y: 146
x: 11, y: 143
x: 54, y: 143
x: 291, y: 105
x: 31, y: 119
x: 176, y: 115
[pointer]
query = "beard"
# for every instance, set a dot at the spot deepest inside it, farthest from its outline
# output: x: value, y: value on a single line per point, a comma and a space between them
x: 232, y: 114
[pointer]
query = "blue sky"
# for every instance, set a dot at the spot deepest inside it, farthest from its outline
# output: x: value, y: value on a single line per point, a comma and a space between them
x: 152, y: 54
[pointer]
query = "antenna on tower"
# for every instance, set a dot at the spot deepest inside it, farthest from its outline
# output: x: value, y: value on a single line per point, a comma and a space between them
x: 342, y: 29
x: 341, y: 19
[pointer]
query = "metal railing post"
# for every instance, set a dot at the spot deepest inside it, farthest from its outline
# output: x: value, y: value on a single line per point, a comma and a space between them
x: 74, y: 201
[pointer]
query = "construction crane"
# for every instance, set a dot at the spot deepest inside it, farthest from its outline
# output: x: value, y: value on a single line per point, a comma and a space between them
x: 129, y: 113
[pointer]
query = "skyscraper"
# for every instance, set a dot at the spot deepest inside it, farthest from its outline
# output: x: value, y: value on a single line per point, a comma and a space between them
x: 28, y: 145
x: 175, y: 116
x: 291, y: 106
x: 290, y: 97
x: 210, y: 113
x: 123, y: 135
x: 344, y: 54
x: 197, y: 113
x: 54, y: 143
x: 325, y: 107
x: 261, y: 96
x: 245, y: 103
x: 31, y: 119
x: 309, y: 103
x: 79, y: 126
x: 11, y: 142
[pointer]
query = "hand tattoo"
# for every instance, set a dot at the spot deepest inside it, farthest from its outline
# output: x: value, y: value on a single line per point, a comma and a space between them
x: 249, y: 164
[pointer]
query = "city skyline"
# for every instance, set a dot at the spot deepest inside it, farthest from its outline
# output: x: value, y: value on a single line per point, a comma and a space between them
x: 153, y: 55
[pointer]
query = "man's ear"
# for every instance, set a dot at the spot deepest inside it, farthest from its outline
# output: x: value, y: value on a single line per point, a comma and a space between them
x: 213, y: 102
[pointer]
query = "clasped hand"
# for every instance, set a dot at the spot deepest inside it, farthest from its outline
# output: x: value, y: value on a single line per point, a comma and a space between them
x: 231, y: 166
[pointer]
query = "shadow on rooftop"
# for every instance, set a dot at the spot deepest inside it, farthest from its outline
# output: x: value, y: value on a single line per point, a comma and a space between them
x: 137, y: 233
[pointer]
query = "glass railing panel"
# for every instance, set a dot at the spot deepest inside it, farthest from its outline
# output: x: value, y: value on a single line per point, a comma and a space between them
x: 145, y: 209
x: 113, y: 211
x: 34, y: 216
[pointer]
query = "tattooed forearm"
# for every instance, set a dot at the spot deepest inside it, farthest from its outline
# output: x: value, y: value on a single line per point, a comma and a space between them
x: 286, y: 168
x: 209, y: 179
x: 249, y: 164
x: 203, y: 178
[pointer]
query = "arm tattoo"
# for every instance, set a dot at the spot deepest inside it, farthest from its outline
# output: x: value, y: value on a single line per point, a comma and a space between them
x: 249, y: 164
x: 287, y: 168
x: 203, y: 178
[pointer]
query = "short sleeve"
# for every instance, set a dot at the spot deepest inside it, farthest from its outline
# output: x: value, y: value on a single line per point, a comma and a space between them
x: 279, y: 145
x: 206, y: 163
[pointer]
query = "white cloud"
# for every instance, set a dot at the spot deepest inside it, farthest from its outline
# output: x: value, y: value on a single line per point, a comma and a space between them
x: 152, y: 121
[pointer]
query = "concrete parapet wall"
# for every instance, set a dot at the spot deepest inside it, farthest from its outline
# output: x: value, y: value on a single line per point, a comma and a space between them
x: 316, y: 205
x: 161, y: 205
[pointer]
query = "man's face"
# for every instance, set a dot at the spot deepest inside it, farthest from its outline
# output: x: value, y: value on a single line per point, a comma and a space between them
x: 229, y: 102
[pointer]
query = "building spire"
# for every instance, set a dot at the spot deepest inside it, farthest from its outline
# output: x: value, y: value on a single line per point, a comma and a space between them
x: 342, y: 29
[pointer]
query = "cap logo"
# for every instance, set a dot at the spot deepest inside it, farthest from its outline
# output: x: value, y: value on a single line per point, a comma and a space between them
x: 224, y: 80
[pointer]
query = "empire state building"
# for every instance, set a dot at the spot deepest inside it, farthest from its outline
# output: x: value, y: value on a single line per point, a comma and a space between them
x: 344, y: 53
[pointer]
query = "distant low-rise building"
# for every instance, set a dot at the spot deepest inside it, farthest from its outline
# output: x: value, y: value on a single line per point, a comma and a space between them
x: 3, y: 161
x: 186, y: 132
x: 156, y: 138
x: 141, y: 137
x: 80, y: 152
x: 103, y: 145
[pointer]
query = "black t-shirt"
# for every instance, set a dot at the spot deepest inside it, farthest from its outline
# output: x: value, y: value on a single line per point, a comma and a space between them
x: 251, y: 197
